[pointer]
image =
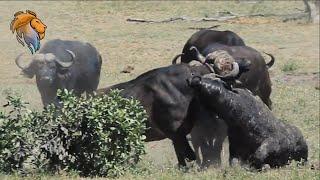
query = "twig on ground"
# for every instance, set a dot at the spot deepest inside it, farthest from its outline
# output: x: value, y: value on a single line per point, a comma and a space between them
x: 152, y: 21
x: 295, y: 16
x: 201, y: 28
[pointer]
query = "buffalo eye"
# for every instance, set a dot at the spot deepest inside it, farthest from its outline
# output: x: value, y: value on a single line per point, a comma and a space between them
x: 62, y: 70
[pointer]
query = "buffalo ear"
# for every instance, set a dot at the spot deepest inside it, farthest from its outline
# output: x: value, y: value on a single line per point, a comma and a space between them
x: 29, y: 72
x: 244, y: 65
x: 225, y: 84
x: 229, y: 86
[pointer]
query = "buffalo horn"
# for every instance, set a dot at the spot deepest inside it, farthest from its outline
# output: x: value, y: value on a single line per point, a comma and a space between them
x: 70, y: 62
x: 200, y: 57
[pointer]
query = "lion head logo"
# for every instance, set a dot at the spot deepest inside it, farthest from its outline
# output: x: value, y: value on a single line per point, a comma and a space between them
x: 29, y: 28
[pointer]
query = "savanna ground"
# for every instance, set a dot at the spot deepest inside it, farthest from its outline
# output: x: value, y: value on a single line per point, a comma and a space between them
x: 295, y: 75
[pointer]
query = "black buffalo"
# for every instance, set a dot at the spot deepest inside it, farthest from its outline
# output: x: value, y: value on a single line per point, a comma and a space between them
x: 202, y: 38
x: 255, y: 135
x: 169, y: 102
x: 60, y: 64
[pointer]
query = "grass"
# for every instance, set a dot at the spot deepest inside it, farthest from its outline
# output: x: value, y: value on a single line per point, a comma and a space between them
x: 172, y: 173
x: 290, y: 66
x: 295, y: 46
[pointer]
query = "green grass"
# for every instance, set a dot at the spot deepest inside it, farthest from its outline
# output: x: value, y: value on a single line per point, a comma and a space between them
x: 172, y: 173
x: 147, y: 46
x: 290, y: 66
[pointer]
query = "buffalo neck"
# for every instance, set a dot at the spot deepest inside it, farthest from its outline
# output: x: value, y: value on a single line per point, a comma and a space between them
x: 221, y: 100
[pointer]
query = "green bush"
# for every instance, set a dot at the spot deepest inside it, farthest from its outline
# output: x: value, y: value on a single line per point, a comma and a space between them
x: 14, y: 143
x: 101, y: 136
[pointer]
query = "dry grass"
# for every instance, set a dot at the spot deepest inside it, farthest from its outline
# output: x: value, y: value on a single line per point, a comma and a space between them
x: 147, y: 46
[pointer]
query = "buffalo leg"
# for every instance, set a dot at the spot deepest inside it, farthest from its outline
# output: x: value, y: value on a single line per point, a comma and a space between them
x: 179, y: 153
x: 208, y: 135
x: 183, y: 150
x: 189, y: 153
x: 211, y: 152
x: 233, y: 155
x: 265, y: 149
x: 197, y: 144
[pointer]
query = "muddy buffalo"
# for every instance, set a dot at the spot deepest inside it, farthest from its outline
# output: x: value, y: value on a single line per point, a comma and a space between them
x: 255, y: 135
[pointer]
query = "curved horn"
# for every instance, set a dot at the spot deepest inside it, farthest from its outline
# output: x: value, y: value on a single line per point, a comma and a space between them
x: 64, y: 63
x: 18, y: 59
x: 200, y: 57
x: 269, y: 64
x: 174, y: 60
x: 71, y: 53
x: 235, y: 70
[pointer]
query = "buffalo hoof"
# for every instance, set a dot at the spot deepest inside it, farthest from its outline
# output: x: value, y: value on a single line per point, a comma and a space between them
x: 266, y: 167
x: 191, y: 156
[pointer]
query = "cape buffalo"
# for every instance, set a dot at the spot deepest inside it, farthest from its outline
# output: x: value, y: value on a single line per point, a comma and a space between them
x: 202, y: 38
x: 257, y: 80
x: 60, y: 64
x: 169, y: 102
x: 255, y: 135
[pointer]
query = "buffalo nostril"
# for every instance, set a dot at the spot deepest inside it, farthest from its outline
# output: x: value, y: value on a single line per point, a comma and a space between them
x: 194, y: 81
x: 188, y: 81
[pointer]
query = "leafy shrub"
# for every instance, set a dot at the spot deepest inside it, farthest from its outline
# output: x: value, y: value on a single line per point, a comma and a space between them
x: 14, y: 145
x: 101, y: 136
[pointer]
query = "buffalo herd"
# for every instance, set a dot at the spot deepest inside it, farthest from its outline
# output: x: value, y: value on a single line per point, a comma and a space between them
x: 221, y: 88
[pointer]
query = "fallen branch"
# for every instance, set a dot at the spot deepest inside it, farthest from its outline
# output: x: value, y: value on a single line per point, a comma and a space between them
x: 297, y: 16
x: 152, y: 21
x: 201, y: 28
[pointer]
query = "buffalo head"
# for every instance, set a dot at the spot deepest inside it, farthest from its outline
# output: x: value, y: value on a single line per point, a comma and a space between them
x: 223, y: 63
x: 46, y: 66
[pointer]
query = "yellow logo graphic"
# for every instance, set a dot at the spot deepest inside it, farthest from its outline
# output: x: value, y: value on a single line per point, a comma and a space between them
x: 30, y: 30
